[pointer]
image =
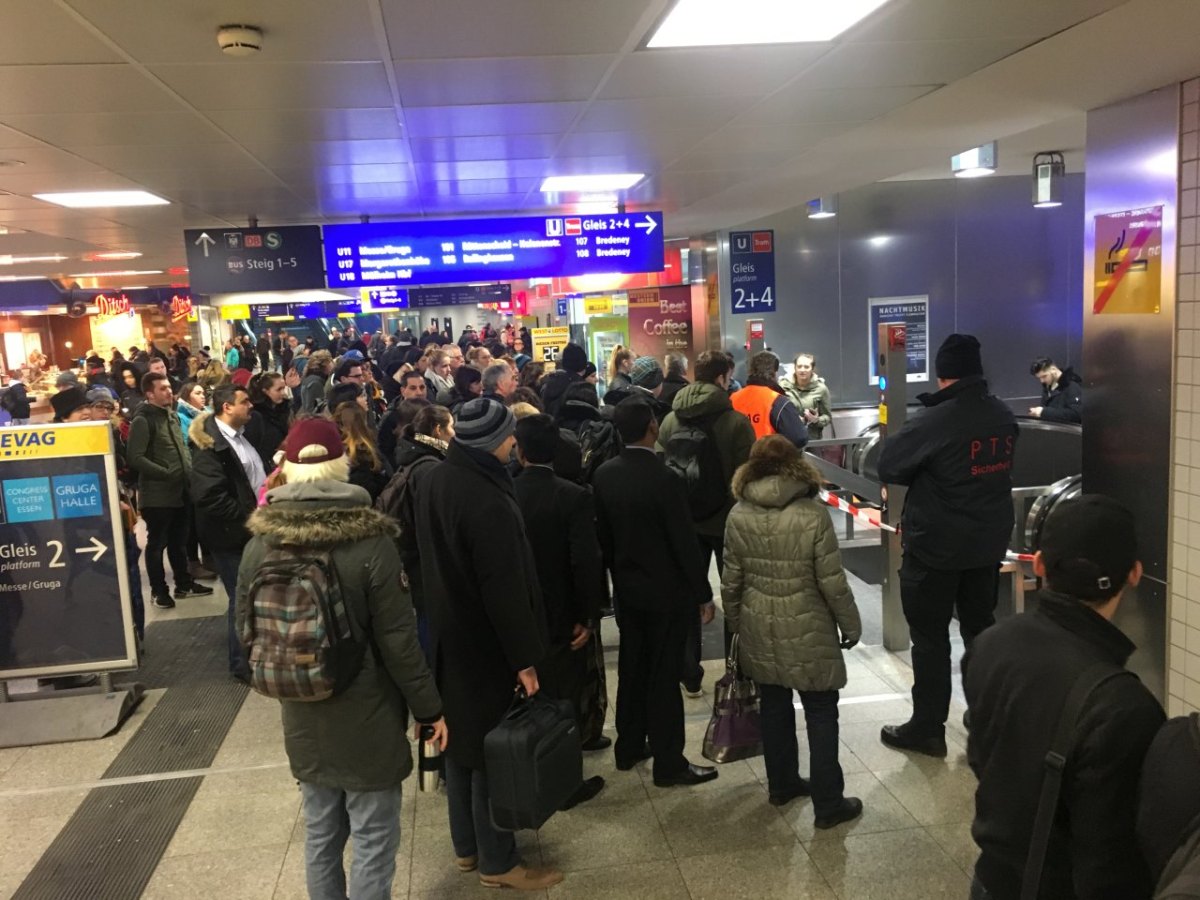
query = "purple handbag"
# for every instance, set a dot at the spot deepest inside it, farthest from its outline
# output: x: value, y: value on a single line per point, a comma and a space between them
x: 734, y: 731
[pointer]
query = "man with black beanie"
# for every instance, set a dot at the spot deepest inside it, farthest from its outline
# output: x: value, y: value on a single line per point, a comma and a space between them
x: 571, y: 365
x: 1063, y: 664
x: 956, y: 457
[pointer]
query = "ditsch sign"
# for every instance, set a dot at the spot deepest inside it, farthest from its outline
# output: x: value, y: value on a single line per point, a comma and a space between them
x: 109, y: 306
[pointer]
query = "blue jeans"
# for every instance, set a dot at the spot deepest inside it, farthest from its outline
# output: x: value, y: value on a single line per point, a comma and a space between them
x: 371, y: 820
x: 471, y: 829
x: 781, y: 754
x: 132, y: 554
x: 227, y: 570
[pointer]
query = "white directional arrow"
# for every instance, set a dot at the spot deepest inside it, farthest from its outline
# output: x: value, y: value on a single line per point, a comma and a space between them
x: 205, y: 241
x: 97, y: 549
x: 649, y: 225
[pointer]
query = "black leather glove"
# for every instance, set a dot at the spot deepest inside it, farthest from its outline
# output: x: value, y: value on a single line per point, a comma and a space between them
x: 848, y: 643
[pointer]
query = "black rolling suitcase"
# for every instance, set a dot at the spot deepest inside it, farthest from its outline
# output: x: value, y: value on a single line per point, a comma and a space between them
x: 533, y: 761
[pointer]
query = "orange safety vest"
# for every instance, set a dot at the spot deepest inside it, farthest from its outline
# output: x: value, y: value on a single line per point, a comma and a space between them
x: 755, y: 402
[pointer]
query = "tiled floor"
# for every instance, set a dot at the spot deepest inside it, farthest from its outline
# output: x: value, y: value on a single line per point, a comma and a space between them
x: 242, y: 836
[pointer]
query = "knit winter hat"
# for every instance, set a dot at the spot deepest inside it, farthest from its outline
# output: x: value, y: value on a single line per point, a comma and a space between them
x: 484, y: 424
x: 958, y: 357
x: 100, y: 395
x: 646, y: 373
x: 66, y: 402
x: 573, y: 359
x: 66, y: 379
x: 312, y: 441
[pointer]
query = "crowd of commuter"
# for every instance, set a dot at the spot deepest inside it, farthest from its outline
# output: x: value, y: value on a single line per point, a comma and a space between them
x: 483, y: 514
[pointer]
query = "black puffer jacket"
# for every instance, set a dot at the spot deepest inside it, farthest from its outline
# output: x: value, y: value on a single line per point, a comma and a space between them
x: 956, y: 458
x: 1168, y: 822
x: 1016, y: 678
x: 267, y: 430
x: 554, y: 388
x: 1064, y: 401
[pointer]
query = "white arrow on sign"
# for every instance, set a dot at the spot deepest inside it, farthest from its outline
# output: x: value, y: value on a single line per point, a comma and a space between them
x: 205, y: 241
x: 649, y: 225
x: 97, y: 548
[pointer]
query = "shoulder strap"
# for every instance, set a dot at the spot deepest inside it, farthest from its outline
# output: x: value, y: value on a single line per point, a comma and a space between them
x: 1061, y: 746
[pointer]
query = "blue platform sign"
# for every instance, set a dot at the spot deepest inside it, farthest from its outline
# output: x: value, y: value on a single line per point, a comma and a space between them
x: 458, y: 250
x: 752, y: 271
x: 560, y: 307
x: 384, y: 299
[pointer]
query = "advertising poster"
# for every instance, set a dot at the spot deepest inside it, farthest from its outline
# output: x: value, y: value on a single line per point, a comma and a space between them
x: 913, y: 313
x: 1128, y: 261
x: 548, y: 343
x: 660, y: 321
x: 64, y: 592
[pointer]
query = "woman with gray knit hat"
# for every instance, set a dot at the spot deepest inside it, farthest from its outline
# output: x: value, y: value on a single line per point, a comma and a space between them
x: 646, y: 382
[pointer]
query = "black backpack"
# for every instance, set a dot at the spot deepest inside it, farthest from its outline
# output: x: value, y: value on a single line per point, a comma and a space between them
x: 396, y: 502
x: 599, y: 442
x: 691, y: 453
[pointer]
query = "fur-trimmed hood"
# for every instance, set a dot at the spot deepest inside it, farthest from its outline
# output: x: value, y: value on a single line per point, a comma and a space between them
x: 772, y: 483
x: 198, y: 434
x: 319, y: 514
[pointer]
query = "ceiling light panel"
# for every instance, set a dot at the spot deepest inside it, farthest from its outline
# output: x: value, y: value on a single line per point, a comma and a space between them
x: 103, y: 199
x: 710, y: 23
x: 117, y: 273
x: 563, y: 184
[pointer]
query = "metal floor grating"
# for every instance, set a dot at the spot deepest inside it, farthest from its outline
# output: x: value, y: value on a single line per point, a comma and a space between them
x: 110, y: 847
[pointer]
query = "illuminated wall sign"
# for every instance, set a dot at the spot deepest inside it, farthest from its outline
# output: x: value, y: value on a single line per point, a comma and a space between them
x: 456, y: 250
x: 383, y: 299
x: 179, y: 307
x: 109, y: 306
x: 460, y: 295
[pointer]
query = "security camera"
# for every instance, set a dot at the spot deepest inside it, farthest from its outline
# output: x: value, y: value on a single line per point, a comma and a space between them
x: 239, y: 40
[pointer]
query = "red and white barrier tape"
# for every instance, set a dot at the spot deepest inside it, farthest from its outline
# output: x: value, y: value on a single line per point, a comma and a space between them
x: 869, y: 517
x: 1018, y: 557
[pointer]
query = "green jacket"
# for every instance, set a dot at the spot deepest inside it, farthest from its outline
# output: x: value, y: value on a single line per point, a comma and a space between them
x: 783, y: 588
x: 814, y: 397
x: 733, y: 433
x: 357, y: 740
x: 156, y: 452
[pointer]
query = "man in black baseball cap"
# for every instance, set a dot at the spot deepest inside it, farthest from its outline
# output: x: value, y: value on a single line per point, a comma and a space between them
x: 1065, y: 660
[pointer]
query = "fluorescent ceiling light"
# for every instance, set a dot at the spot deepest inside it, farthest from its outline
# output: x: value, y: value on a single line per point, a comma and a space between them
x: 708, y: 23
x: 91, y: 199
x: 22, y: 277
x: 122, y: 272
x: 976, y: 162
x: 879, y: 240
x: 562, y: 184
x: 111, y: 255
x: 822, y: 207
x: 133, y: 287
x: 6, y: 260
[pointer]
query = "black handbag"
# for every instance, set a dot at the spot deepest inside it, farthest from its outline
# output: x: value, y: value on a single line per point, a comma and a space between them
x: 533, y: 760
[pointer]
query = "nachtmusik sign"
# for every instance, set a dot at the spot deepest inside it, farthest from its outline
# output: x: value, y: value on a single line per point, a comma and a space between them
x: 64, y: 590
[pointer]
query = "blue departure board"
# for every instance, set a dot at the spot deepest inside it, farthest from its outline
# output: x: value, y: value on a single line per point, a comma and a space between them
x: 457, y: 250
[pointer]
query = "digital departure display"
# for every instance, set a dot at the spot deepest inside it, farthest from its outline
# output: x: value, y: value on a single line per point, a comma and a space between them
x: 458, y: 250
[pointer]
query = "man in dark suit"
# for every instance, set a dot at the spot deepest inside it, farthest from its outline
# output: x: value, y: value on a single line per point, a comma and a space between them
x: 560, y: 524
x: 649, y: 544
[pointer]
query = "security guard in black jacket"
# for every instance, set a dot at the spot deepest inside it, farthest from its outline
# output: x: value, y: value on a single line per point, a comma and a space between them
x: 956, y: 458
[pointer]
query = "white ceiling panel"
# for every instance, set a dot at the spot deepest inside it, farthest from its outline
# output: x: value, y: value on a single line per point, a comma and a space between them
x: 476, y: 170
x: 710, y: 71
x: 283, y: 125
x: 176, y: 183
x: 500, y: 118
x: 649, y: 113
x: 79, y: 89
x: 477, y: 188
x: 465, y: 82
x: 153, y: 31
x: 798, y: 104
x: 728, y: 148
x: 598, y: 165
x: 100, y: 128
x: 379, y: 173
x: 357, y: 85
x: 664, y: 144
x: 19, y: 182
x: 47, y: 35
x: 920, y: 20
x: 484, y: 147
x: 126, y: 158
x: 906, y: 63
x: 438, y: 29
x: 450, y: 207
x: 316, y: 154
x: 340, y: 194
x: 40, y: 158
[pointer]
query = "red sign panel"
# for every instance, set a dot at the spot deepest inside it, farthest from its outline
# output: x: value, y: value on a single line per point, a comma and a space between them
x: 763, y: 241
x: 897, y: 337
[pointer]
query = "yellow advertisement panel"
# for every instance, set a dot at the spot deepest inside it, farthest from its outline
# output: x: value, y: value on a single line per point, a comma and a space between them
x: 598, y: 306
x: 235, y: 311
x: 50, y: 441
x: 548, y: 343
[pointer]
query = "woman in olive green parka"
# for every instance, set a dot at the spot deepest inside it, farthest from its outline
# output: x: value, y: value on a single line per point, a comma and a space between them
x: 786, y: 597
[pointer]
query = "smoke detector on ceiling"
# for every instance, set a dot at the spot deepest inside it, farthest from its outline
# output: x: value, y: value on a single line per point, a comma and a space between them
x: 239, y: 40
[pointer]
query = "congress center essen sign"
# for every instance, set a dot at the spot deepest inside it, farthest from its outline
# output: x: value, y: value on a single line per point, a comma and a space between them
x: 462, y: 250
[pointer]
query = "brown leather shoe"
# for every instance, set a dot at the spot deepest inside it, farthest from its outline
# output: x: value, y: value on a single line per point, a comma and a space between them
x: 523, y: 878
x: 466, y: 863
